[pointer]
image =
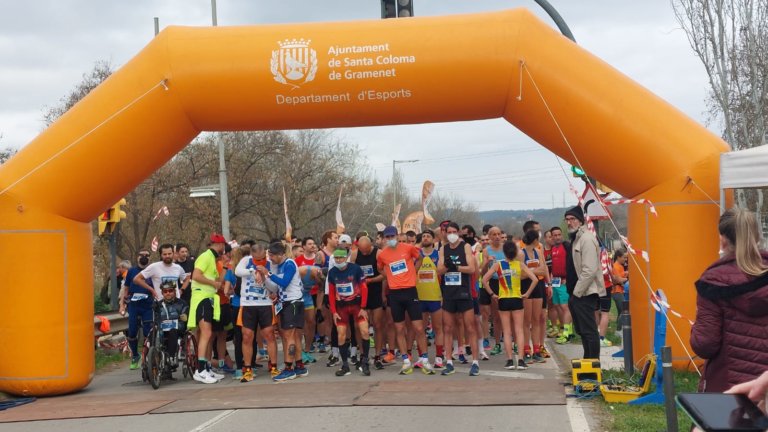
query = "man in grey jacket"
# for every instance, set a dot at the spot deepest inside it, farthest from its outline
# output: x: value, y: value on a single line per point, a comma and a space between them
x: 584, y: 282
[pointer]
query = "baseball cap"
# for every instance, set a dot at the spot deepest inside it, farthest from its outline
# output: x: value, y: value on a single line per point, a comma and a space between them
x: 390, y: 231
x: 218, y: 238
x: 344, y: 238
x: 340, y: 253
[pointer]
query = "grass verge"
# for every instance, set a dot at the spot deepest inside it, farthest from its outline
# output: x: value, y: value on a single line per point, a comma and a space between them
x: 103, y: 359
x: 621, y: 417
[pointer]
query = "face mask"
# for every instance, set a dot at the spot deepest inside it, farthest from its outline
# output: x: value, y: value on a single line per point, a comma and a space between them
x: 453, y: 238
x: 341, y: 266
x: 392, y: 243
x: 144, y: 260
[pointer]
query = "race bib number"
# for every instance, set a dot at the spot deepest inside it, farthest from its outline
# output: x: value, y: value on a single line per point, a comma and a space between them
x: 256, y: 291
x: 139, y: 297
x: 398, y: 267
x: 426, y: 276
x: 556, y: 282
x: 168, y: 325
x: 452, y: 278
x: 278, y: 307
x: 345, y: 289
x: 367, y: 270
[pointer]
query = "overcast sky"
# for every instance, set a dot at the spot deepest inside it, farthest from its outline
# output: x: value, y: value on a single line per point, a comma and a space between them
x: 46, y: 46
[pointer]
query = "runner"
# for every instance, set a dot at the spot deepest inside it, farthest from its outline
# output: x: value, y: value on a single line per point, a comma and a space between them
x: 282, y: 276
x: 347, y: 295
x: 139, y: 306
x: 534, y: 332
x: 330, y: 240
x: 489, y: 308
x: 255, y: 310
x: 511, y: 310
x: 456, y: 264
x: 619, y: 279
x: 365, y: 257
x: 204, y: 307
x: 187, y: 262
x: 308, y: 259
x: 399, y: 262
x: 559, y: 291
x: 428, y: 289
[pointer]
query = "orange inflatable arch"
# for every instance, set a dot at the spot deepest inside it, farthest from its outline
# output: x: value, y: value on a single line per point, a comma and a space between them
x: 383, y: 72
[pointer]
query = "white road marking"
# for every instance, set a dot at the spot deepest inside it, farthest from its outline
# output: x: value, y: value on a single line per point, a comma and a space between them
x: 576, y: 415
x: 213, y: 421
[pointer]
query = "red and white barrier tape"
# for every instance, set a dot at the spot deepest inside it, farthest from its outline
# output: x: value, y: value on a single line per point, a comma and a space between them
x: 155, y: 244
x: 587, y: 219
x: 657, y: 303
x: 163, y: 210
x: 634, y: 251
x: 633, y: 201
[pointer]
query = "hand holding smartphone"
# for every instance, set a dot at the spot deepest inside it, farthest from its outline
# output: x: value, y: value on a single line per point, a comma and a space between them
x: 714, y: 412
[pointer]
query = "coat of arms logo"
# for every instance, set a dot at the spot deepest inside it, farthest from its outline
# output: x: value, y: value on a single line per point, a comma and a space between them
x: 294, y: 63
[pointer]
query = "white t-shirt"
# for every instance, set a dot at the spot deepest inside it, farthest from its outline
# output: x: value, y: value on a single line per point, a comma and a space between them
x: 252, y: 293
x: 162, y: 274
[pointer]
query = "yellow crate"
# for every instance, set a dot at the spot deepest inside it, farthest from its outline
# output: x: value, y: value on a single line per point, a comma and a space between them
x: 625, y: 394
x: 585, y: 369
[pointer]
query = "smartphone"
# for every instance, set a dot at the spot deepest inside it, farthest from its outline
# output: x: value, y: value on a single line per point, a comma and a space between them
x: 723, y: 412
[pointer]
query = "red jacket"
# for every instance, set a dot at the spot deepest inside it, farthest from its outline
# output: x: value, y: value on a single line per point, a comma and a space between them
x: 731, y: 329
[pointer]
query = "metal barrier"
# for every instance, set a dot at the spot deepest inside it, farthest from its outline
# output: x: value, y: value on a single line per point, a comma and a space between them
x: 117, y: 323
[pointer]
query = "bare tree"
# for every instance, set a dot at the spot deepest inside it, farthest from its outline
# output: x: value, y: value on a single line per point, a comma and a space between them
x: 730, y: 37
x: 102, y: 69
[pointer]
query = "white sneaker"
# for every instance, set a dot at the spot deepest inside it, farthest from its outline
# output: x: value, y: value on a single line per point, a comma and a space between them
x: 216, y: 376
x: 426, y: 368
x: 483, y: 355
x: 204, y: 378
x: 438, y: 362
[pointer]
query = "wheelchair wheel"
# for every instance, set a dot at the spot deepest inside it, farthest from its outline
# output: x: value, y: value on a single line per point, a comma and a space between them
x: 190, y: 355
x: 156, y: 367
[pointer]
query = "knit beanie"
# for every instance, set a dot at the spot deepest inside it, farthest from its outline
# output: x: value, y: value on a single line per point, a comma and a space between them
x: 576, y: 212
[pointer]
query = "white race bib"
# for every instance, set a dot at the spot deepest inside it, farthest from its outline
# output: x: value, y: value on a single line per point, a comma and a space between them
x: 139, y: 297
x: 426, y: 276
x: 452, y: 278
x: 345, y: 289
x: 168, y: 325
x: 556, y: 281
x: 398, y: 267
x: 367, y: 270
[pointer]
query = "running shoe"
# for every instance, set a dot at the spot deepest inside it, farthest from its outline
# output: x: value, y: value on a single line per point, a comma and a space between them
x: 365, y: 369
x: 135, y: 363
x: 552, y: 332
x: 388, y: 359
x: 527, y: 358
x: 407, y: 369
x: 237, y: 375
x: 285, y: 375
x: 605, y: 343
x: 226, y: 369
x: 462, y: 359
x: 564, y: 338
x: 496, y: 350
x: 537, y: 358
x: 438, y: 363
x: 371, y: 342
x: 216, y: 375
x: 521, y: 365
x: 307, y: 358
x: 246, y: 376
x: 468, y: 350
x: 204, y: 377
x: 474, y: 370
x: 333, y: 361
x: 378, y: 364
x: 486, y: 344
x: 301, y: 372
x: 344, y: 371
x: 354, y: 360
x: 321, y: 348
x: 484, y: 355
x: 545, y: 353
x: 449, y: 370
x: 425, y: 367
x: 510, y: 364
x: 274, y: 372
x: 313, y: 347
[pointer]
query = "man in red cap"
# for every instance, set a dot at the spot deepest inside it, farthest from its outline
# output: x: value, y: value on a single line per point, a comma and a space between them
x: 205, y: 307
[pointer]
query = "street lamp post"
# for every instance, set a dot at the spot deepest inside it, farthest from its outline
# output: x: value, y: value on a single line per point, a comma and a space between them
x: 224, y: 195
x: 394, y: 189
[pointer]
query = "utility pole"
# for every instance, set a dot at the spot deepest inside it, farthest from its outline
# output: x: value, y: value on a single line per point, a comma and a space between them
x: 224, y: 195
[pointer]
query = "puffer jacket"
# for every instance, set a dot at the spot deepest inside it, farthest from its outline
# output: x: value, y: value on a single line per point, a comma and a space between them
x: 731, y: 328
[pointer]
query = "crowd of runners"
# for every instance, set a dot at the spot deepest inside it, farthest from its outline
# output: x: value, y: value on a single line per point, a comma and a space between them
x: 417, y: 301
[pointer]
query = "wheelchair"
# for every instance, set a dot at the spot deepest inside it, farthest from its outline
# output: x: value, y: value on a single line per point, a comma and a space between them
x: 156, y: 363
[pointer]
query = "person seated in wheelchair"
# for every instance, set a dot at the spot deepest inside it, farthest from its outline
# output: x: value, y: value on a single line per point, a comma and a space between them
x: 171, y: 314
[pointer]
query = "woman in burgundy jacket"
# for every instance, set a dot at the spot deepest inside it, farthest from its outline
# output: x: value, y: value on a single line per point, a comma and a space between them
x: 731, y: 329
